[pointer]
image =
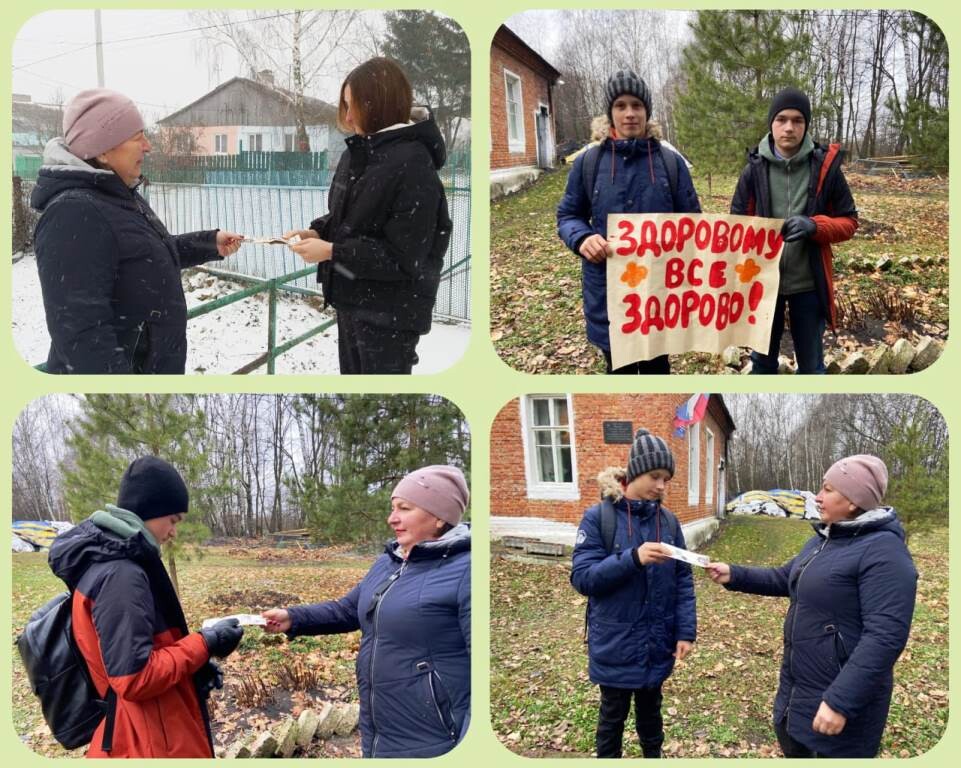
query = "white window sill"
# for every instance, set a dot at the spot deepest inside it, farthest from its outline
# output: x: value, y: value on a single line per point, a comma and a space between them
x: 554, y: 492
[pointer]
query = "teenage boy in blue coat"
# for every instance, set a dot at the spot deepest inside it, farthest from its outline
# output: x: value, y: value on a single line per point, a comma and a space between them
x: 630, y: 176
x: 640, y: 610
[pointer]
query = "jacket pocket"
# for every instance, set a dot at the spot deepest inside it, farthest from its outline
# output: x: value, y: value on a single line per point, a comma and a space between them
x: 612, y: 642
x: 141, y: 348
x: 441, y: 700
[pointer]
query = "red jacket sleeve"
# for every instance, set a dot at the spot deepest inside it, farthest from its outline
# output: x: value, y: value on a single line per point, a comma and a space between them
x: 834, y: 229
x: 123, y: 616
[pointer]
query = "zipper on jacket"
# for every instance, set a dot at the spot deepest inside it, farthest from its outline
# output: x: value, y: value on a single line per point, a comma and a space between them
x: 373, y: 652
x: 797, y: 586
x: 433, y: 696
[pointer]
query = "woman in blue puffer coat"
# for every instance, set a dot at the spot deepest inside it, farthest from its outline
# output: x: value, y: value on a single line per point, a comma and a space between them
x: 852, y: 590
x: 640, y: 609
x: 413, y: 610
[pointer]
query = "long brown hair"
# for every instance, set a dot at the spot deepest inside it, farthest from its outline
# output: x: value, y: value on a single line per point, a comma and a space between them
x: 380, y: 95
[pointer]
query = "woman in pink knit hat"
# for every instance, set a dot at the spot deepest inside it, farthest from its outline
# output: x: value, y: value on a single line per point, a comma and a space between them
x: 852, y: 590
x: 413, y: 611
x: 109, y: 269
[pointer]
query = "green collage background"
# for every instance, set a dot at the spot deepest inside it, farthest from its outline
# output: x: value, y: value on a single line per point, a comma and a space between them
x: 480, y: 384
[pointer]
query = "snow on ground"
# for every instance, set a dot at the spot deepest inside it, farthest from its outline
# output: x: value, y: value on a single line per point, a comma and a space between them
x: 224, y: 340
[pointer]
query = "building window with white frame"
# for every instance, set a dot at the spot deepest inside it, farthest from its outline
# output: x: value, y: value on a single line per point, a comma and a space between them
x: 515, y: 112
x: 693, y: 464
x: 255, y: 142
x: 288, y: 142
x: 220, y: 143
x: 709, y: 478
x: 551, y: 464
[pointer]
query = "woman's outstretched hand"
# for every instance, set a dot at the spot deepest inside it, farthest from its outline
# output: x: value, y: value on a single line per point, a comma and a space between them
x: 228, y: 243
x: 719, y: 573
x: 278, y: 620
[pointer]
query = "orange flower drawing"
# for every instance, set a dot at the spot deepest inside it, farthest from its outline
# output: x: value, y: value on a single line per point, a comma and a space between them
x: 748, y: 270
x: 633, y: 274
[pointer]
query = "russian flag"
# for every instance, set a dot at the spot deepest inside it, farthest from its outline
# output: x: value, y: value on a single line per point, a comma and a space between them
x: 689, y: 412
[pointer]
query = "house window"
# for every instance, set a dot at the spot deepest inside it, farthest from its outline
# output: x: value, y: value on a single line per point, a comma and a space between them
x: 220, y: 143
x: 708, y: 467
x: 288, y: 142
x: 693, y: 464
x: 255, y: 142
x: 549, y: 451
x: 515, y: 112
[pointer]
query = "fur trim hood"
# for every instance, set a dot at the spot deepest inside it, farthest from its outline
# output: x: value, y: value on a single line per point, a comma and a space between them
x: 610, y: 482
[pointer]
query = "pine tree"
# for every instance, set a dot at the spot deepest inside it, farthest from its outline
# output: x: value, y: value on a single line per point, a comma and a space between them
x: 379, y: 439
x: 114, y: 429
x: 737, y: 61
x: 439, y: 71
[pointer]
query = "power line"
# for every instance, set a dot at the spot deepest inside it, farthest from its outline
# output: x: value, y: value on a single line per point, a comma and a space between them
x: 153, y: 37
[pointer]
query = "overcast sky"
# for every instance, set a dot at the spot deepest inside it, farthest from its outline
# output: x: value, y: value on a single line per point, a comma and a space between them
x: 158, y: 58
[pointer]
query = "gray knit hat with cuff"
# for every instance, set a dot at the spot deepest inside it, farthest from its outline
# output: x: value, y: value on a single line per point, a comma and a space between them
x: 647, y: 454
x: 625, y: 81
x: 862, y: 479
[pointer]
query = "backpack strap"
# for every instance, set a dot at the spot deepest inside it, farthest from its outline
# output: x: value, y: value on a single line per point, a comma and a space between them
x: 608, y: 524
x: 592, y: 159
x: 670, y: 165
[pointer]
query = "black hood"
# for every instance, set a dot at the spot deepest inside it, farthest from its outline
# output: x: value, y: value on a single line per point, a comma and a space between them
x: 62, y: 170
x: 422, y: 130
x: 74, y: 551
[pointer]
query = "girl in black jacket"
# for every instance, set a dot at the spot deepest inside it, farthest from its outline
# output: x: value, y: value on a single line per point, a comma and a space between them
x: 380, y: 247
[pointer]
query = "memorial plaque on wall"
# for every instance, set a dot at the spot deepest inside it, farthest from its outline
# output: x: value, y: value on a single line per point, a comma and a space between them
x: 618, y: 432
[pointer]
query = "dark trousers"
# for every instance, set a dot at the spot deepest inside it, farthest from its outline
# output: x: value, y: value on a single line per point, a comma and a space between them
x: 658, y: 365
x: 789, y: 746
x: 807, y: 333
x: 615, y: 707
x: 365, y: 348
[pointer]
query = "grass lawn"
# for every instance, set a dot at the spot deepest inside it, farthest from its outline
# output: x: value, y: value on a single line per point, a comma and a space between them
x: 220, y: 583
x: 537, y: 323
x: 718, y: 701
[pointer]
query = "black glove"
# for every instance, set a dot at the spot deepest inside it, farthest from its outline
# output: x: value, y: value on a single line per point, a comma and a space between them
x: 208, y: 677
x: 797, y: 227
x: 223, y: 637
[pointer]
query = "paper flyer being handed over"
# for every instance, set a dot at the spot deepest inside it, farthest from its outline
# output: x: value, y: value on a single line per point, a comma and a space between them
x: 245, y: 619
x: 688, y: 557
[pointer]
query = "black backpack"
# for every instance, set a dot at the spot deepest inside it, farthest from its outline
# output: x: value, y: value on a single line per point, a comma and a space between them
x: 58, y: 674
x: 592, y: 159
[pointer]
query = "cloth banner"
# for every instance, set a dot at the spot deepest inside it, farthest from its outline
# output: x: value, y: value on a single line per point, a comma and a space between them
x: 680, y: 282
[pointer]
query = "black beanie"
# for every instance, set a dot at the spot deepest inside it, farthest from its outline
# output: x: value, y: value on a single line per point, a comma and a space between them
x: 647, y: 454
x: 790, y: 98
x: 152, y: 488
x: 622, y: 82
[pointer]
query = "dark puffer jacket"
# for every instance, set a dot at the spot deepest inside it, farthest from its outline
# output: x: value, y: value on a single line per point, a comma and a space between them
x: 636, y: 613
x: 829, y: 203
x: 413, y: 668
x: 631, y: 178
x: 852, y: 591
x: 131, y: 631
x: 389, y: 225
x: 109, y: 272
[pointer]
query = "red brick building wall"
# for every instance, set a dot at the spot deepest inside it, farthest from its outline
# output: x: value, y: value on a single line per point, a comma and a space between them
x: 652, y: 411
x: 535, y: 92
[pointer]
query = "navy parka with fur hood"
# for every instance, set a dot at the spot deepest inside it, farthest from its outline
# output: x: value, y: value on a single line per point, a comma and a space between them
x: 631, y: 178
x: 413, y: 668
x: 636, y: 613
x: 389, y: 225
x: 109, y: 271
x: 852, y: 591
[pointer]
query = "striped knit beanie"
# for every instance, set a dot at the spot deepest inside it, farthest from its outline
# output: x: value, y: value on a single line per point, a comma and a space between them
x: 647, y: 454
x: 625, y: 81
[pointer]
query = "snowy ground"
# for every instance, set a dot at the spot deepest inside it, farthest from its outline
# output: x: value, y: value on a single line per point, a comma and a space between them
x: 224, y: 340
